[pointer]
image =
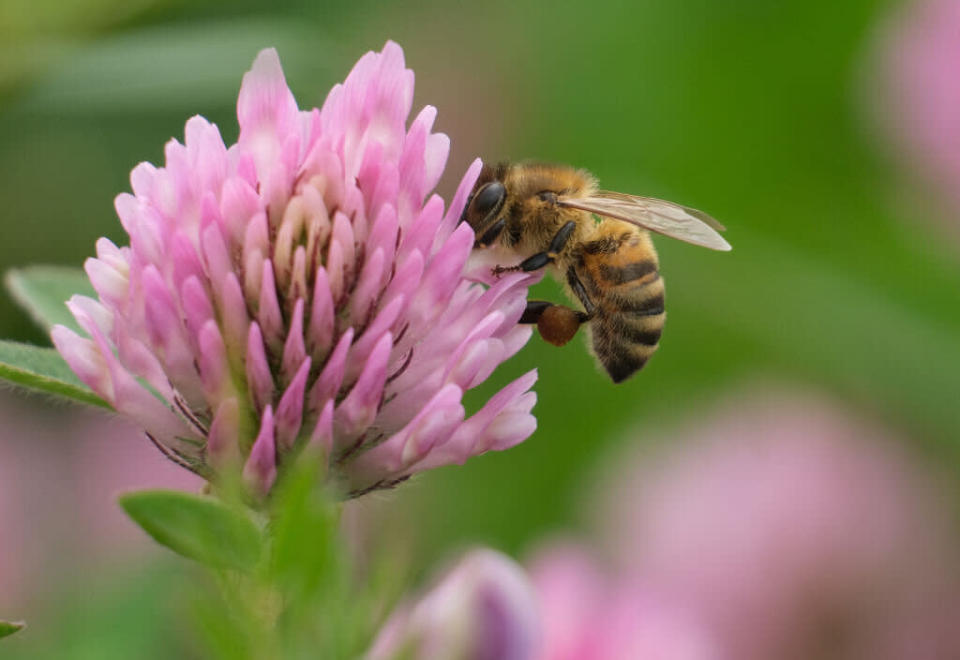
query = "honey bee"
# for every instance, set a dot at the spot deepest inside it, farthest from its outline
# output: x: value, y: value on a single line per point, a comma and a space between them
x: 596, y: 243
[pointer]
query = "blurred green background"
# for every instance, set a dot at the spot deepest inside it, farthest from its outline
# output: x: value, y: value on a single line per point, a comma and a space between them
x: 758, y: 112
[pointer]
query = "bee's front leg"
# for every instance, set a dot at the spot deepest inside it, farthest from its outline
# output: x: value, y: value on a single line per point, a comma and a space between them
x: 542, y: 259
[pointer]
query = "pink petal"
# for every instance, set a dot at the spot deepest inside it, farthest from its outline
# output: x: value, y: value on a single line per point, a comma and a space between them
x: 259, y: 378
x: 164, y: 328
x: 383, y: 235
x: 216, y: 256
x: 85, y: 360
x: 142, y: 180
x: 81, y: 306
x: 368, y: 287
x: 142, y: 363
x: 503, y: 421
x: 322, y: 436
x: 297, y: 289
x: 320, y: 330
x: 441, y: 278
x: 394, y: 457
x: 196, y: 305
x: 186, y: 260
x: 364, y: 345
x: 342, y: 236
x: 269, y: 316
x: 127, y: 396
x: 260, y: 470
x: 239, y: 202
x: 110, y: 283
x: 405, y: 281
x: 290, y: 408
x: 207, y: 153
x: 266, y: 110
x: 420, y: 236
x: 359, y: 408
x: 256, y: 245
x: 294, y: 350
x: 291, y: 227
x: 330, y: 379
x: 335, y: 270
x: 233, y: 312
x: 424, y: 157
x: 212, y: 359
x: 459, y: 201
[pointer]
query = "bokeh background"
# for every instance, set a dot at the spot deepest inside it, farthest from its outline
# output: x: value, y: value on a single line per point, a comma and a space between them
x: 800, y: 125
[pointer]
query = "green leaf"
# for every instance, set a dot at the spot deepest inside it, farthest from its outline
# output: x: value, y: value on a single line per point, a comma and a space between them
x: 198, y: 527
x: 43, y: 369
x: 43, y: 291
x: 7, y: 628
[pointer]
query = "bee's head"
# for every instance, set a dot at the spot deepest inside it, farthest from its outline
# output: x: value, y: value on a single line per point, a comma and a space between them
x: 486, y: 201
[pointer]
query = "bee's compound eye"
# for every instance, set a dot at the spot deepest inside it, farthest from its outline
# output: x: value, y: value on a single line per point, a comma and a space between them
x: 488, y: 198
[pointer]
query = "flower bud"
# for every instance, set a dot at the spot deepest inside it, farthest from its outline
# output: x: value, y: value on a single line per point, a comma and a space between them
x: 484, y: 608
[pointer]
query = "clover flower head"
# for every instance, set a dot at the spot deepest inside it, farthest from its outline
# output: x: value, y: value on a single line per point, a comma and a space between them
x: 303, y: 288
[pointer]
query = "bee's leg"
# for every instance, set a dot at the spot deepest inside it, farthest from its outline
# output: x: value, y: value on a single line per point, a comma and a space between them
x: 580, y: 292
x: 542, y: 259
x: 534, y: 310
x: 557, y: 324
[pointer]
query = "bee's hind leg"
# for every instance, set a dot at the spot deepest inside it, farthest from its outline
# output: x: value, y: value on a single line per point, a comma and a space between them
x: 537, y: 308
x: 557, y: 324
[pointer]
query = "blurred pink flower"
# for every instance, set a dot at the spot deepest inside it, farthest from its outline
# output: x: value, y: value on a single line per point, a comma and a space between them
x: 778, y: 527
x: 791, y: 530
x: 58, y: 511
x: 920, y: 61
x: 589, y: 614
x: 299, y: 289
x: 487, y: 607
x: 482, y: 609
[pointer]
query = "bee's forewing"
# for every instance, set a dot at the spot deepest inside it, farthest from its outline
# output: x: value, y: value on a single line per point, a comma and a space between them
x: 657, y: 215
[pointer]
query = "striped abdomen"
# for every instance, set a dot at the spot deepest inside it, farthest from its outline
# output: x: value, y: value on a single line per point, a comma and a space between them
x: 622, y: 277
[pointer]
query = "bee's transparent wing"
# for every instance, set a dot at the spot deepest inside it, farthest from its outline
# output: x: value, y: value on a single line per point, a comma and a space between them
x: 665, y: 218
